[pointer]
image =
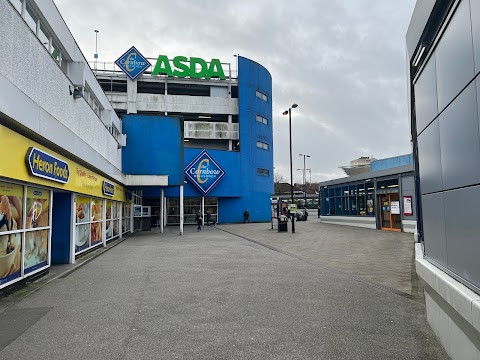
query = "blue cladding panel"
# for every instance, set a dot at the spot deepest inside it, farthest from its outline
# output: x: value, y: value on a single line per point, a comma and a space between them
x: 61, y: 218
x: 242, y: 187
x: 154, y: 146
x: 391, y: 162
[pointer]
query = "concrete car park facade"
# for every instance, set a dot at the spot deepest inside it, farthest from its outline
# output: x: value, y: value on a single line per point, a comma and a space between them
x: 80, y: 168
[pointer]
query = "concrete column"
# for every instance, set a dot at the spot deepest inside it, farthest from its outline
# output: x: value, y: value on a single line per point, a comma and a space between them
x: 230, y: 142
x: 131, y: 96
x: 162, y: 200
x: 181, y: 209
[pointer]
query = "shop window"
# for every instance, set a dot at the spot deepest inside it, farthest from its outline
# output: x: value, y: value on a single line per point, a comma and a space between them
x: 35, y: 227
x: 112, y: 219
x: 126, y: 217
x: 89, y: 221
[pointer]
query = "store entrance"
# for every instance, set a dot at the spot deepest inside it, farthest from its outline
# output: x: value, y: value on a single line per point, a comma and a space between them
x: 390, y: 212
x: 191, y: 206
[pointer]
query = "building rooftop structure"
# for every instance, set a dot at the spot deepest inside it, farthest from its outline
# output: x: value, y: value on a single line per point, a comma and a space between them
x: 358, y: 166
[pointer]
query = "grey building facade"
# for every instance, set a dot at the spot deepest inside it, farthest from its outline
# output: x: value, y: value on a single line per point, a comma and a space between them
x: 443, y: 54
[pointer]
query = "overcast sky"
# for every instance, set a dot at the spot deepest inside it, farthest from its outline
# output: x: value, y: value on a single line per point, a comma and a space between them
x: 343, y: 63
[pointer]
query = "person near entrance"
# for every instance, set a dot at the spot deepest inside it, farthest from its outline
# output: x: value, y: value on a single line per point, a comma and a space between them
x: 246, y: 216
x: 158, y: 218
x: 199, y: 218
x: 209, y: 217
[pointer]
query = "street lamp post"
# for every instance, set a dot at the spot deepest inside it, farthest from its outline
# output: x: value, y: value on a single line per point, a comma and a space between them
x: 310, y: 171
x: 289, y: 113
x: 96, y: 48
x: 304, y: 180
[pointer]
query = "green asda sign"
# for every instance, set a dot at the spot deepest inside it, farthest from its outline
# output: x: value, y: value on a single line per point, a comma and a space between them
x: 194, y: 67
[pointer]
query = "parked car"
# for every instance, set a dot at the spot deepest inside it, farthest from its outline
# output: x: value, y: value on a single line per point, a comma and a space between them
x: 301, y: 215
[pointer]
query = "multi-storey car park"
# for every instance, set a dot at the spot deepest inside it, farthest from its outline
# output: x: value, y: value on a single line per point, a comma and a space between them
x: 89, y: 155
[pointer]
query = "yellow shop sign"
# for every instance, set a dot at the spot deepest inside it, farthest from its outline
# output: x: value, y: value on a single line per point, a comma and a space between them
x: 26, y: 160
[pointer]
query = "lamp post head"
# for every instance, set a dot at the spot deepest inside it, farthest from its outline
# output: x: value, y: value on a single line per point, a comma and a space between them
x: 285, y: 112
x: 96, y: 31
x: 294, y: 106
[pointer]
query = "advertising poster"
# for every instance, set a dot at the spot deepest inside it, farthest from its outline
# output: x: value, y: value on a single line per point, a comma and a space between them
x: 11, y: 210
x: 36, y: 250
x: 369, y: 206
x: 83, y: 209
x: 11, y: 207
x: 82, y: 235
x: 96, y: 226
x: 37, y: 208
x: 395, y: 205
x: 109, y: 224
x: 115, y: 212
x: 407, y: 206
x: 82, y: 229
x: 97, y: 209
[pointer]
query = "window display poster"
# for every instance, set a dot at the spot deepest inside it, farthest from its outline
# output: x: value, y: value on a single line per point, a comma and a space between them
x: 407, y: 206
x: 11, y: 210
x: 82, y: 235
x: 11, y: 207
x: 36, y: 250
x: 97, y: 209
x: 37, y: 208
x: 83, y: 209
x: 395, y: 207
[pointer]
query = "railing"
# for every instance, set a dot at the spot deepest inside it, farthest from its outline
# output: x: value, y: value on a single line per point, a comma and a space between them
x: 210, y: 130
x: 110, y: 68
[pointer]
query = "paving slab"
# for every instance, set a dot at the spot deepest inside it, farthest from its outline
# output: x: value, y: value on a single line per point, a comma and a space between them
x: 215, y: 295
x: 382, y: 257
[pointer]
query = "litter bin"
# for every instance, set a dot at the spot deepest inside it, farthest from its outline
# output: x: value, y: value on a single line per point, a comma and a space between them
x: 282, y: 225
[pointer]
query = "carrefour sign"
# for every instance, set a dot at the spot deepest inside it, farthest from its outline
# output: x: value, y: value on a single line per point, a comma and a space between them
x: 194, y: 67
x: 133, y: 63
x: 204, y: 172
x: 44, y: 165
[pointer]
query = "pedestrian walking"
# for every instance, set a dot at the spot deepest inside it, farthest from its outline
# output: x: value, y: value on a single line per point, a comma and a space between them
x: 209, y: 217
x: 199, y: 218
x: 246, y: 216
x: 158, y: 218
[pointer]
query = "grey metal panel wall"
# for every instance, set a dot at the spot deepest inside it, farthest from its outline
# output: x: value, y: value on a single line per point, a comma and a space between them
x: 454, y: 56
x: 421, y: 13
x: 449, y: 148
x: 426, y: 96
x: 475, y: 14
x: 429, y: 159
x: 434, y: 227
x: 460, y: 141
x: 461, y: 222
x: 408, y: 189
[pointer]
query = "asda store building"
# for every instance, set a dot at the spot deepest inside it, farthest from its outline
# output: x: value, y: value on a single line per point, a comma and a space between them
x: 88, y: 155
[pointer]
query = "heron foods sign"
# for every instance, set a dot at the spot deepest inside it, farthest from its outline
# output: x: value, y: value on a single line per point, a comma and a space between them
x: 204, y: 172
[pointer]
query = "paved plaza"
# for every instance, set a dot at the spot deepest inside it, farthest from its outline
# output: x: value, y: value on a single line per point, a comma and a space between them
x: 239, y: 291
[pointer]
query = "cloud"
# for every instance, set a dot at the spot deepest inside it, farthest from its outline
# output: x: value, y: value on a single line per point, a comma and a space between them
x: 342, y: 61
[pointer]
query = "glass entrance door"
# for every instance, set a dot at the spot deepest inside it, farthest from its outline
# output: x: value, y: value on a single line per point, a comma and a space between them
x: 390, y: 218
